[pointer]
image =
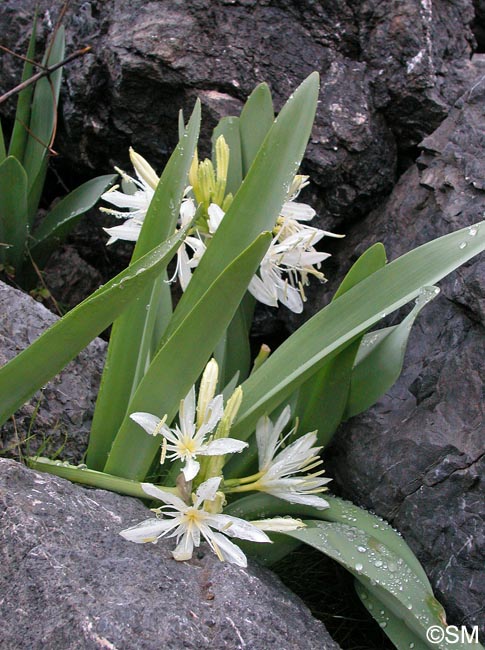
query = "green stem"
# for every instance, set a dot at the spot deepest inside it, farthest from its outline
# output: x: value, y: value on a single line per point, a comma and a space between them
x: 92, y: 477
x: 240, y: 481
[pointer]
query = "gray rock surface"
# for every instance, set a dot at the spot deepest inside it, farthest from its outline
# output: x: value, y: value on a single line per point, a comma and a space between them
x: 390, y: 71
x: 58, y: 418
x: 70, y: 582
x: 418, y: 457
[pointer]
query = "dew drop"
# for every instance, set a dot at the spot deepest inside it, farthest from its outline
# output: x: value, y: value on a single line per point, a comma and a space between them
x: 359, y: 567
x: 383, y: 624
x: 472, y: 231
x: 462, y: 245
x: 362, y: 549
x: 378, y: 563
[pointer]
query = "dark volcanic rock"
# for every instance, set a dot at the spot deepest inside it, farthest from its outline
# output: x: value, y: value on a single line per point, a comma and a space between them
x: 390, y: 72
x: 68, y: 580
x: 418, y: 457
x: 59, y: 417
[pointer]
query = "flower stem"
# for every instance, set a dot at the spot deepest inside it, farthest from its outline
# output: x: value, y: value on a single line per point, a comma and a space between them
x: 93, y: 478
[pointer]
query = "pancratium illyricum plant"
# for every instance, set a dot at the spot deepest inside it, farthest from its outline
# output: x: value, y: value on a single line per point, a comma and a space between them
x: 287, y: 265
x: 203, y: 430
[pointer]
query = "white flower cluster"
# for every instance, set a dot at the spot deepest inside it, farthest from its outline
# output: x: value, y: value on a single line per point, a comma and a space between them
x: 200, y: 441
x: 286, y: 266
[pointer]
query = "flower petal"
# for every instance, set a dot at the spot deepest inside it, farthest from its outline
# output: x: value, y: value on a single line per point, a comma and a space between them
x: 223, y: 446
x: 298, y: 211
x: 191, y: 469
x: 207, y: 490
x: 184, y: 549
x: 230, y: 552
x: 148, y: 531
x: 147, y: 421
x: 236, y: 527
x: 165, y: 496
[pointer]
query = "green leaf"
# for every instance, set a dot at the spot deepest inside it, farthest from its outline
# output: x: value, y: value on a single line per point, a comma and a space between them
x: 32, y: 368
x: 19, y: 136
x: 262, y: 505
x: 64, y: 216
x: 344, y: 319
x: 180, y: 361
x: 323, y: 398
x: 373, y: 563
x: 44, y: 111
x: 254, y: 124
x: 395, y: 628
x: 229, y: 128
x: 371, y: 260
x: 3, y: 153
x: 259, y: 199
x: 13, y: 211
x: 380, y: 359
x: 131, y: 343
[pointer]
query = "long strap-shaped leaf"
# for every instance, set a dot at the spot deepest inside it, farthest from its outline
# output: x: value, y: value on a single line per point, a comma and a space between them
x: 345, y: 318
x: 259, y: 199
x: 13, y: 211
x: 130, y: 341
x: 32, y: 368
x: 180, y: 361
x: 322, y: 399
x: 64, y: 216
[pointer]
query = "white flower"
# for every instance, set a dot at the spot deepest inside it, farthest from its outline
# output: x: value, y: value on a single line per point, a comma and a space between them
x: 285, y: 268
x: 188, y: 523
x: 279, y: 468
x: 135, y: 206
x: 188, y: 439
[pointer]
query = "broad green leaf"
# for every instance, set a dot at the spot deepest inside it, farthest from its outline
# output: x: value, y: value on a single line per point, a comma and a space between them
x: 3, y: 153
x: 261, y: 505
x: 13, y: 211
x: 380, y: 359
x: 64, y: 216
x: 259, y: 199
x: 43, y: 115
x: 256, y: 120
x: 229, y: 128
x: 19, y: 136
x: 371, y: 260
x: 323, y: 398
x: 395, y: 628
x: 131, y: 342
x: 180, y: 362
x: 32, y: 368
x: 344, y: 319
x: 373, y: 563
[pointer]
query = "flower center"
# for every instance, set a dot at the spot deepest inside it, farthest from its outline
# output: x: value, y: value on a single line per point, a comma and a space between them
x: 187, y: 447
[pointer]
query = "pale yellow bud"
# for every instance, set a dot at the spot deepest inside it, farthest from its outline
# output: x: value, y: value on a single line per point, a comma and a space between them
x: 144, y: 170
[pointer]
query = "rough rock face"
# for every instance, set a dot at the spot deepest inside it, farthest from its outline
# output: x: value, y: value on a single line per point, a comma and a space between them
x: 418, y: 457
x: 66, y: 404
x: 389, y: 73
x: 68, y: 580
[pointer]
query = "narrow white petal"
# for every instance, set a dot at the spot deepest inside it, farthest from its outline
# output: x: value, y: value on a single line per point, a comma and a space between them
x: 184, y: 549
x: 214, y: 411
x: 304, y: 499
x: 266, y: 439
x: 216, y: 215
x: 187, y: 212
x: 148, y: 421
x: 187, y: 413
x: 279, y: 524
x: 191, y: 469
x: 223, y: 446
x: 148, y: 530
x: 184, y: 272
x: 207, y: 490
x: 298, y: 211
x: 129, y: 231
x: 162, y: 495
x: 262, y: 292
x: 236, y: 527
x: 230, y: 552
